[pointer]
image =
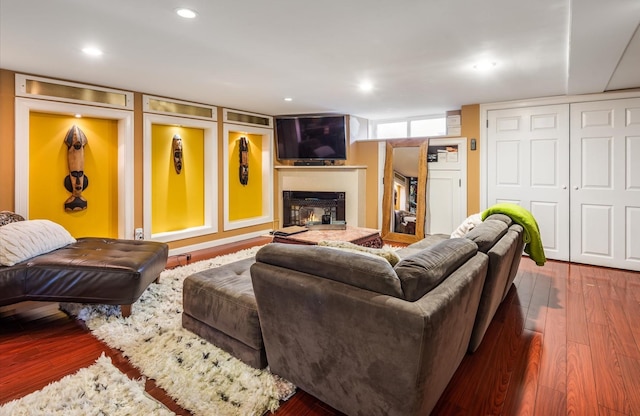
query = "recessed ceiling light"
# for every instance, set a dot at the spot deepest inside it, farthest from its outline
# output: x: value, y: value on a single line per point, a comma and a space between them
x: 288, y: 99
x: 366, y: 86
x: 93, y: 51
x: 78, y: 115
x: 186, y: 13
x: 484, y: 65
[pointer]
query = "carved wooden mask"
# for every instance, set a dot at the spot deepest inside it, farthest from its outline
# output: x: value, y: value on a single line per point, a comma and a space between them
x: 177, y: 153
x: 76, y: 181
x: 244, y: 160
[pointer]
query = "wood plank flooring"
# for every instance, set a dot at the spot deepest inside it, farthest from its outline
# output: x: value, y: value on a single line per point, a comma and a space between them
x: 566, y: 341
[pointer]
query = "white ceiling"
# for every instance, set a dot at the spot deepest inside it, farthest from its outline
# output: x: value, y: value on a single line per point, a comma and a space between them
x: 249, y: 55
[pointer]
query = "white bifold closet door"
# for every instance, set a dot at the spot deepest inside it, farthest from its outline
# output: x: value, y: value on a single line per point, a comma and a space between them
x: 576, y: 167
x: 605, y: 183
x: 528, y: 164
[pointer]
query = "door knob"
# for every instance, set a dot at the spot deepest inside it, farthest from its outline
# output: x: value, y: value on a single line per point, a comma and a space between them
x: 564, y: 186
x: 575, y: 188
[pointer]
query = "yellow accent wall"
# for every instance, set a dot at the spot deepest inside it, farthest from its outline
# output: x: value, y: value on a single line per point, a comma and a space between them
x: 48, y: 167
x: 177, y: 200
x: 245, y: 201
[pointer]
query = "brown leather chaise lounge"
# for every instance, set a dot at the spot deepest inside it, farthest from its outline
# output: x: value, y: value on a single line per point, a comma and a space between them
x: 88, y: 270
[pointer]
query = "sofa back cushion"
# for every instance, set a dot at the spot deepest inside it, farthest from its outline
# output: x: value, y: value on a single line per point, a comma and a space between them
x: 368, y: 272
x: 500, y: 217
x: 487, y: 234
x: 422, y: 271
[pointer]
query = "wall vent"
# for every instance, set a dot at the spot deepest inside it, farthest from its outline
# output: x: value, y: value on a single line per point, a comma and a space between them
x: 178, y: 108
x: 249, y: 119
x: 54, y: 90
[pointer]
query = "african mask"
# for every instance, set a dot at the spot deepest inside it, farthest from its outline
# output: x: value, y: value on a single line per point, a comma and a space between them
x: 177, y: 153
x: 244, y: 161
x: 76, y: 181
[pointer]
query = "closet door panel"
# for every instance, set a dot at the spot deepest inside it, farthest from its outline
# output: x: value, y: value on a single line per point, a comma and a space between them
x: 528, y: 153
x: 605, y: 183
x: 443, y: 202
x: 548, y: 213
x: 633, y: 242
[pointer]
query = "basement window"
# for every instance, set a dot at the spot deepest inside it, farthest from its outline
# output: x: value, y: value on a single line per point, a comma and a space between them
x: 421, y: 126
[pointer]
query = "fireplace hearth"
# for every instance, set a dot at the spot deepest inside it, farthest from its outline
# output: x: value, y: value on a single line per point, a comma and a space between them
x: 302, y: 207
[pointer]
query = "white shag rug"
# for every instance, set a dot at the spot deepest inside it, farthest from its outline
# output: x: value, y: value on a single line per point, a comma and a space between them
x: 100, y: 389
x: 199, y: 376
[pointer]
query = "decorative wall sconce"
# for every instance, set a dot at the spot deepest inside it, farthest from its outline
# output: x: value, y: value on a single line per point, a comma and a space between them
x: 176, y: 146
x: 244, y: 160
x: 76, y: 181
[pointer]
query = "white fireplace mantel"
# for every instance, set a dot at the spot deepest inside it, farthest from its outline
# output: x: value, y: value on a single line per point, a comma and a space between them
x: 348, y: 179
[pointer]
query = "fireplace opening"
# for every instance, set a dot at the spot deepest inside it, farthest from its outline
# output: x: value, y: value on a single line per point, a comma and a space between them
x: 303, y: 207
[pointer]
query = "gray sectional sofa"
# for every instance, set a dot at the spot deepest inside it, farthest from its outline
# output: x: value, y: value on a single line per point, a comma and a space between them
x: 502, y: 240
x: 369, y: 338
x: 363, y: 336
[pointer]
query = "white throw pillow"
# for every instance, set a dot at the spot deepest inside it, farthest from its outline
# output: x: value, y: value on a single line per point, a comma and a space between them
x: 20, y: 241
x: 467, y: 225
x: 386, y: 253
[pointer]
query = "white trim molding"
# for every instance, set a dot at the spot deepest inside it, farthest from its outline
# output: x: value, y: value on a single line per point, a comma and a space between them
x: 210, y: 225
x: 246, y: 119
x: 71, y: 92
x: 24, y: 106
x: 177, y: 108
x: 219, y: 242
x: 267, y: 176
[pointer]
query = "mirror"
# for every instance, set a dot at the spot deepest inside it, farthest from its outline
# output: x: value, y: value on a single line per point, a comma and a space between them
x: 405, y: 184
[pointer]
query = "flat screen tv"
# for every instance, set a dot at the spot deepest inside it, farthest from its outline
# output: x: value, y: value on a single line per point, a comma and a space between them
x: 311, y: 137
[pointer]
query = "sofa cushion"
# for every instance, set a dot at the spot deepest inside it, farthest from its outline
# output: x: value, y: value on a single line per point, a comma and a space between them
x: 20, y: 241
x: 421, y: 272
x: 386, y: 253
x: 222, y: 298
x: 486, y: 235
x: 500, y: 217
x: 360, y: 270
x: 427, y: 241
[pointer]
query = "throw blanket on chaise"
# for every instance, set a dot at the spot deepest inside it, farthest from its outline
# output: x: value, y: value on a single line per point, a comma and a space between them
x: 531, y: 235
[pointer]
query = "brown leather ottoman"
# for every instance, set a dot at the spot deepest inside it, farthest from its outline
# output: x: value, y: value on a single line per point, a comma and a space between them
x: 91, y: 270
x: 219, y: 306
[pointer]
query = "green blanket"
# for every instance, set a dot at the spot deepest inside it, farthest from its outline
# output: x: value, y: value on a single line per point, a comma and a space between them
x: 523, y: 217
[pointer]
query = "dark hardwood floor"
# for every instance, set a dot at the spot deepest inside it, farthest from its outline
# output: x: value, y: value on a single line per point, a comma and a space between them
x: 566, y: 341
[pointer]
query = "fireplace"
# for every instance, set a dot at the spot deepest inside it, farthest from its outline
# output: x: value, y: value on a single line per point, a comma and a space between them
x: 301, y: 207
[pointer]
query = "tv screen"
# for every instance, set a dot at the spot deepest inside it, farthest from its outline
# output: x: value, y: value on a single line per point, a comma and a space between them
x: 311, y: 137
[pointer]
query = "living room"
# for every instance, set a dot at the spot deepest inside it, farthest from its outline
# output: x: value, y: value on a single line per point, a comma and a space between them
x: 128, y: 199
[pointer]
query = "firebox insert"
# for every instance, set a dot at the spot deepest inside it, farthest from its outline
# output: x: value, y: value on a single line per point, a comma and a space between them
x: 299, y: 207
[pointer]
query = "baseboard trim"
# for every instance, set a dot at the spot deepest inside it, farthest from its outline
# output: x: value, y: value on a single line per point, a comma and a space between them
x: 218, y: 242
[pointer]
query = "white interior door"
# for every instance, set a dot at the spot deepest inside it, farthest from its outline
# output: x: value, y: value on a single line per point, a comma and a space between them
x: 444, y: 190
x: 446, y: 187
x: 527, y: 164
x: 605, y: 183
